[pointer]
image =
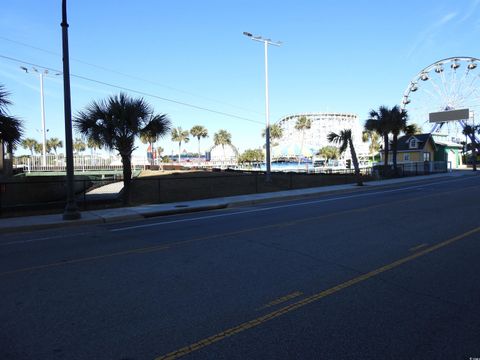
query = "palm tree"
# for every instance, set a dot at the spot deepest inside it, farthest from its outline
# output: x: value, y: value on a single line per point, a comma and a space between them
x: 373, y: 137
x: 116, y: 122
x: 160, y: 151
x: 149, y: 139
x: 379, y: 122
x: 222, y: 137
x: 11, y: 128
x: 413, y: 129
x: 54, y: 144
x: 93, y: 144
x: 276, y: 132
x: 470, y: 131
x: 179, y: 135
x: 79, y: 145
x: 29, y: 144
x: 199, y: 132
x: 344, y: 139
x: 328, y: 152
x: 303, y: 123
x: 38, y: 148
x: 398, y: 123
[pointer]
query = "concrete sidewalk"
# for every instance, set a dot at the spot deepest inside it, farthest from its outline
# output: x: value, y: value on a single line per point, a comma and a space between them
x: 28, y: 223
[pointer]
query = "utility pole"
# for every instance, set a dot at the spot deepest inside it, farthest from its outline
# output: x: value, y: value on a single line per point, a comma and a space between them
x: 71, y: 211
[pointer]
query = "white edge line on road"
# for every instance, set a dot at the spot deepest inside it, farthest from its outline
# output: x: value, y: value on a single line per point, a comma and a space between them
x: 280, y: 206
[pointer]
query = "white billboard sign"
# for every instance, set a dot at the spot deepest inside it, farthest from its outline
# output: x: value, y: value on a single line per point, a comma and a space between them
x: 452, y: 115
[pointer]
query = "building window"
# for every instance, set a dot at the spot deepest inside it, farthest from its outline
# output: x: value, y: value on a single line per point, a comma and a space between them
x: 426, y: 156
x: 406, y: 157
x: 413, y: 143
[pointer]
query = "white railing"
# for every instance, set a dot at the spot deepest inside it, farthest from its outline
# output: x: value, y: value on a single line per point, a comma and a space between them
x: 96, y: 162
x: 81, y: 163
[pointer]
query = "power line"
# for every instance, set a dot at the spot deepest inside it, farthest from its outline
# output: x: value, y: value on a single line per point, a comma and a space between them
x: 129, y: 76
x: 135, y: 91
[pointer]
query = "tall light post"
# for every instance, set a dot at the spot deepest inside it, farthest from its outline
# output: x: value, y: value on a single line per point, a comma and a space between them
x: 41, y: 75
x: 71, y: 212
x: 266, y: 42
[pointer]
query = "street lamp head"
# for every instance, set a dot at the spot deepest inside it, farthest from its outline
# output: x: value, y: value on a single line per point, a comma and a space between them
x: 24, y: 68
x: 247, y: 34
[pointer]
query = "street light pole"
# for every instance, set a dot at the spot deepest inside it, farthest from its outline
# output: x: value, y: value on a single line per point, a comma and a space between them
x: 41, y: 75
x: 71, y: 212
x: 44, y: 130
x: 266, y: 42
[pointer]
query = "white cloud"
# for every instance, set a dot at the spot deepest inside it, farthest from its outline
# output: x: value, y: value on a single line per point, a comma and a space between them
x: 428, y: 35
x: 473, y: 6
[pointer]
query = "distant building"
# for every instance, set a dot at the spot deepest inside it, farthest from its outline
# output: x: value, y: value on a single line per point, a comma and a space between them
x: 290, y: 145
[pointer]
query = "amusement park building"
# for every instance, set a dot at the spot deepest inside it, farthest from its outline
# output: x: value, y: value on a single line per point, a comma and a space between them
x: 316, y: 137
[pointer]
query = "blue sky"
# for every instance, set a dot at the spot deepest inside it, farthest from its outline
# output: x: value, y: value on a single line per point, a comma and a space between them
x: 348, y: 56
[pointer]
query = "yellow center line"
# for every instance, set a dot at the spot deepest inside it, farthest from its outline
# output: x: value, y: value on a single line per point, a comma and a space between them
x: 415, y: 248
x: 155, y: 248
x: 282, y: 299
x: 308, y: 300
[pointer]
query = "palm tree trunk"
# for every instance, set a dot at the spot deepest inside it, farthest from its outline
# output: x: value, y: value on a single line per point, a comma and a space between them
x: 199, y: 150
x: 179, y: 151
x: 394, y: 153
x: 127, y: 177
x: 353, y: 154
x: 474, y: 153
x: 385, y: 158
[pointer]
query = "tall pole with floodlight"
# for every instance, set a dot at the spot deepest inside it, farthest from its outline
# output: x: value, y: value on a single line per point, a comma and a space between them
x: 266, y: 42
x: 44, y: 130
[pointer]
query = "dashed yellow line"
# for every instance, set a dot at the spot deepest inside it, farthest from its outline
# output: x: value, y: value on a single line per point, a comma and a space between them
x: 418, y: 247
x: 289, y: 308
x: 282, y: 299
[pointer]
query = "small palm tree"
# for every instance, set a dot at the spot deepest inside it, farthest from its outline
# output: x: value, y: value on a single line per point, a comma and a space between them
x: 344, y: 139
x: 222, y: 137
x: 38, y: 148
x: 160, y: 151
x: 199, y: 132
x: 116, y: 122
x: 179, y: 135
x: 54, y: 144
x: 149, y: 139
x: 79, y: 145
x: 413, y: 129
x: 276, y: 132
x: 303, y: 123
x: 374, y: 139
x: 29, y: 144
x: 328, y: 152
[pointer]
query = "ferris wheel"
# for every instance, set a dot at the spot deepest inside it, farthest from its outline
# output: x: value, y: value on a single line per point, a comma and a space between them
x: 448, y: 84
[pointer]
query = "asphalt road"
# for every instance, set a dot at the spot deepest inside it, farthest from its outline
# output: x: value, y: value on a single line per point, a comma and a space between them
x: 384, y: 273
